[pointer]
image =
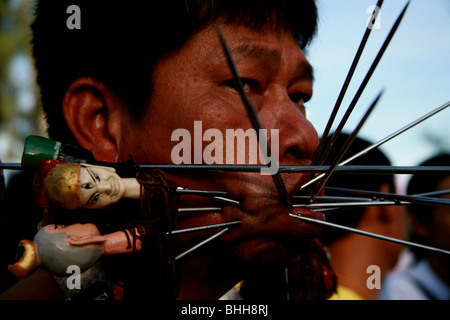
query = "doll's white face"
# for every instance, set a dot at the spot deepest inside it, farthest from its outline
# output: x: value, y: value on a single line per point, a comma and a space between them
x: 99, y: 187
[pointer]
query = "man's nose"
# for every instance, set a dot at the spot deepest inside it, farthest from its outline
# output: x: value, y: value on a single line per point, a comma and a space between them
x: 298, y: 138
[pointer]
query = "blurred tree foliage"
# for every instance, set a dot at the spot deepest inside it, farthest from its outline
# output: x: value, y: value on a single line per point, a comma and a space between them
x: 19, y: 115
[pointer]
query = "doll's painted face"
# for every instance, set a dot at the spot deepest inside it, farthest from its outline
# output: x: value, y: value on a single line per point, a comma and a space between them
x: 99, y: 187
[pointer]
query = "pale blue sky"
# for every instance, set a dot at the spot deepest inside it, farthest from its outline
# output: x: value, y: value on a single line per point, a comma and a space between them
x: 414, y: 71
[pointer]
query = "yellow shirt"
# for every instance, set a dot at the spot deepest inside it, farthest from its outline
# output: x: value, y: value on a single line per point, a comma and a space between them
x: 344, y: 293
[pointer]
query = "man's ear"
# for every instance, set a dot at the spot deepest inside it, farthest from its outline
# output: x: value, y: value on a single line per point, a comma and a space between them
x: 94, y: 114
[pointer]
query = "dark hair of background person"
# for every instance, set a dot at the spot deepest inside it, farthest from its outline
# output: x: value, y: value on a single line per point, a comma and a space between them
x: 423, y: 183
x: 371, y: 182
x: 120, y: 42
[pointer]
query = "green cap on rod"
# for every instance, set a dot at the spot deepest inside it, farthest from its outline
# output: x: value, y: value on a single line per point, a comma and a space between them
x: 39, y: 148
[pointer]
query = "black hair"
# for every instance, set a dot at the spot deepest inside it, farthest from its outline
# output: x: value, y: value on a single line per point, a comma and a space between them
x: 120, y: 42
x: 371, y: 182
x: 422, y: 183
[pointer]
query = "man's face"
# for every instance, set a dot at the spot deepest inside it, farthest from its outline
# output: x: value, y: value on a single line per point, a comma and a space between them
x: 196, y: 84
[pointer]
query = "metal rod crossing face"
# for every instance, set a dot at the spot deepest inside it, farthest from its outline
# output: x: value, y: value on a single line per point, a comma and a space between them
x: 348, y: 169
x: 201, y: 244
x: 203, y: 228
x: 256, y: 123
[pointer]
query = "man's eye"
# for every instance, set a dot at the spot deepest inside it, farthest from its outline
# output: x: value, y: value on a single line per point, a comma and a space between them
x: 248, y: 84
x: 299, y: 98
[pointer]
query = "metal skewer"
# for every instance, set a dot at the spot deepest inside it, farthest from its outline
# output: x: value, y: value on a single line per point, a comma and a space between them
x: 341, y: 205
x: 205, y: 209
x: 377, y: 144
x: 328, y: 203
x: 213, y: 237
x: 326, y: 198
x: 207, y: 193
x: 344, y: 88
x: 257, y: 124
x: 344, y: 149
x: 11, y: 166
x: 363, y: 84
x: 396, y: 197
x: 219, y: 196
x: 434, y: 193
x: 202, y: 228
x: 369, y: 234
x: 348, y: 169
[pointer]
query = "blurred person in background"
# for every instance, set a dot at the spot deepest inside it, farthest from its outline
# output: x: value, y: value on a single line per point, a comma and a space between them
x: 352, y: 255
x: 429, y: 277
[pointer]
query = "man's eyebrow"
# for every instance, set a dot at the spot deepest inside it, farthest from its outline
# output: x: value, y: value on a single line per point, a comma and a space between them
x: 251, y: 50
